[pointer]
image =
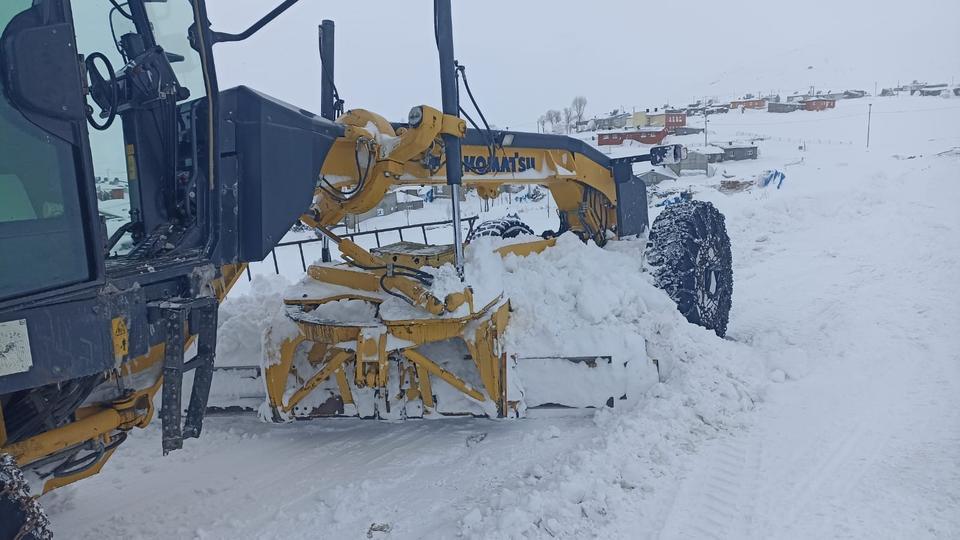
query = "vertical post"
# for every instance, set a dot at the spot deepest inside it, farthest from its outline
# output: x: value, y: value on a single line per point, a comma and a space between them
x: 706, y: 115
x: 869, y: 114
x: 451, y: 106
x: 327, y: 99
x: 326, y: 69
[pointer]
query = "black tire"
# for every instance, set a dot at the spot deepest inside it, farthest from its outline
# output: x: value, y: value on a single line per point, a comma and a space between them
x: 20, y: 514
x: 689, y: 253
x: 505, y: 227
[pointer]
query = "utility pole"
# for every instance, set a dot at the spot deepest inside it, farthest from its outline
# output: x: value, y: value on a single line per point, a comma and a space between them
x: 706, y: 120
x: 869, y: 114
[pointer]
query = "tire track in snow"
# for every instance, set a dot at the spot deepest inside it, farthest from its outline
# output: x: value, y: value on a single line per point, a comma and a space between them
x: 719, y: 493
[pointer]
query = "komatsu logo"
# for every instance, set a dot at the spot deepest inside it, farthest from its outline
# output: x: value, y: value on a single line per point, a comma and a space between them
x: 497, y: 164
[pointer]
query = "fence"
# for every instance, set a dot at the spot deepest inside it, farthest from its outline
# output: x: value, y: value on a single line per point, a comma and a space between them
x: 352, y: 236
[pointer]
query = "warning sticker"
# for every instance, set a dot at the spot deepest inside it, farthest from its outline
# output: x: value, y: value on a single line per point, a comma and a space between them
x: 14, y: 347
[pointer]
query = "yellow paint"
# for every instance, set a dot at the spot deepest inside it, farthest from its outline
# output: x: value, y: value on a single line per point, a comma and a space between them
x: 332, y: 366
x: 58, y: 482
x: 131, y: 163
x: 526, y: 248
x: 451, y: 379
x: 121, y: 338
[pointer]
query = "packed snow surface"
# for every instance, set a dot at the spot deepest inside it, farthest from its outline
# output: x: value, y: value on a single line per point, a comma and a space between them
x: 832, y: 408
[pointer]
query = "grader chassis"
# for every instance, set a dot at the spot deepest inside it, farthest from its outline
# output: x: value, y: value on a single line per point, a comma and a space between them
x: 92, y: 333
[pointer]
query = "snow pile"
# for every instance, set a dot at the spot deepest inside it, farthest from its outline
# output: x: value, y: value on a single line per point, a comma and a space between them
x: 243, y: 319
x: 580, y: 299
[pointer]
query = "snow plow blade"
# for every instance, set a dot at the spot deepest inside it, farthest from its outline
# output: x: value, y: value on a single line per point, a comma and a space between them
x: 235, y: 389
x: 572, y: 381
x: 540, y: 382
x: 340, y: 348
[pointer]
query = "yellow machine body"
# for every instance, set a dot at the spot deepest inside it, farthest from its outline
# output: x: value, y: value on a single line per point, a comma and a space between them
x: 320, y: 369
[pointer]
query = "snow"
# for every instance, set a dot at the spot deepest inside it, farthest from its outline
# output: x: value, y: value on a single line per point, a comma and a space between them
x: 832, y: 409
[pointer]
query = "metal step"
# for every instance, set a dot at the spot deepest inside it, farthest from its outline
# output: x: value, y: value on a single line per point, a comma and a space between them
x: 198, y: 317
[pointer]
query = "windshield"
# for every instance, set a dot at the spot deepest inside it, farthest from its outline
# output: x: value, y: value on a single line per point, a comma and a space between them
x: 170, y: 22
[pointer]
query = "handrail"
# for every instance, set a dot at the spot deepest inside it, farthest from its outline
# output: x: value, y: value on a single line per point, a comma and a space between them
x: 375, y: 232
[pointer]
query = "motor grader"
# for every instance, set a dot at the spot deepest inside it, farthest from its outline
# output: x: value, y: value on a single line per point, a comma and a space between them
x: 105, y: 306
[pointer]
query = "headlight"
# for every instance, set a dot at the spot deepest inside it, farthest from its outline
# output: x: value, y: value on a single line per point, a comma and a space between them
x: 415, y: 116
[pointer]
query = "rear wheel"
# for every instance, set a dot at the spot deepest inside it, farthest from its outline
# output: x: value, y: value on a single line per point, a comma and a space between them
x: 505, y: 227
x: 689, y: 252
x: 21, y: 516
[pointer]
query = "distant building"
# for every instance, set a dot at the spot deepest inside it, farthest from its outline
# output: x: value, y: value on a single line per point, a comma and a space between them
x: 819, y: 104
x: 783, y: 107
x: 752, y: 103
x: 714, y: 153
x: 932, y: 89
x: 645, y: 135
x: 738, y: 152
x: 394, y: 201
x: 443, y: 191
x: 675, y: 120
x: 670, y: 120
x: 616, y: 120
x: 687, y: 130
x: 854, y: 94
x: 111, y: 193
x: 695, y: 161
x: 652, y: 177
x: 638, y: 119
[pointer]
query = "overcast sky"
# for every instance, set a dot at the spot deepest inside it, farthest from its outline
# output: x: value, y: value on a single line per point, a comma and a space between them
x: 524, y: 57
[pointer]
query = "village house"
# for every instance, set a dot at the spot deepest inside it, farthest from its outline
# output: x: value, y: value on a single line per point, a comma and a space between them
x: 751, y: 103
x: 652, y: 177
x: 783, y: 107
x: 819, y: 104
x: 616, y: 120
x: 687, y: 130
x: 645, y: 135
x: 738, y: 152
x: 638, y: 119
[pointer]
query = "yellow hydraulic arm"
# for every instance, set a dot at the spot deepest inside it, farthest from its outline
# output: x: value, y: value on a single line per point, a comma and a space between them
x: 372, y: 156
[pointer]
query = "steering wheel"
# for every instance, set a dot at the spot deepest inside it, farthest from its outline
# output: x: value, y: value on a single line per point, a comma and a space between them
x: 104, y: 91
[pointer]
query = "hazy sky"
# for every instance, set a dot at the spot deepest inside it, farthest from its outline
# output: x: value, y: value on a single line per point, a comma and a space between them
x: 524, y: 57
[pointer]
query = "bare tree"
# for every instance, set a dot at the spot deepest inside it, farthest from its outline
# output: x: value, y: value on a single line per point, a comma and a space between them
x: 579, y: 105
x: 542, y: 123
x: 567, y: 118
x: 553, y: 116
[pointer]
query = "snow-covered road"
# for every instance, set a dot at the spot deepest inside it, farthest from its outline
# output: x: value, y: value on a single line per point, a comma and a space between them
x: 865, y: 443
x: 832, y: 409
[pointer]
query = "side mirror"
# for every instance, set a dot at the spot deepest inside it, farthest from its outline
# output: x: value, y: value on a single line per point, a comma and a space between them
x: 41, y: 69
x: 667, y: 154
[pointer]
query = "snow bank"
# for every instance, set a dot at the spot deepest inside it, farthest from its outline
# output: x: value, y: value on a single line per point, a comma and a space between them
x: 243, y: 319
x: 580, y: 299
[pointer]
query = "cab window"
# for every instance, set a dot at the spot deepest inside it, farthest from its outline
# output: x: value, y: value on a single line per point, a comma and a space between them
x: 41, y: 228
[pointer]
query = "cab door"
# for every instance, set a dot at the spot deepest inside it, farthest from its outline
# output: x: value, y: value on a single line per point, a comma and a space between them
x: 49, y: 231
